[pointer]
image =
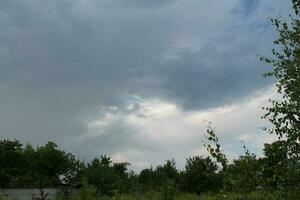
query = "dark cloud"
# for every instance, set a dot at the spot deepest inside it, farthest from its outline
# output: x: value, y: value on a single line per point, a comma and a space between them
x: 221, y: 71
x: 55, y: 64
x: 61, y: 60
x: 198, y: 84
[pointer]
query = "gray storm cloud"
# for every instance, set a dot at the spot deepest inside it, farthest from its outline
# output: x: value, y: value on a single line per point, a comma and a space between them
x: 62, y: 61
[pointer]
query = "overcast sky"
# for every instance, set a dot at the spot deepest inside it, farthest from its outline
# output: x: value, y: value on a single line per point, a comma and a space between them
x: 135, y: 79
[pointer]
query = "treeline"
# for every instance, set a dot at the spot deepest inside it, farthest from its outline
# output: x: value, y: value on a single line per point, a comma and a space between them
x: 44, y: 166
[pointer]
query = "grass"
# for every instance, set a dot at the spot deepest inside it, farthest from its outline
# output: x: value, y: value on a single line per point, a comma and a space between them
x: 261, y: 195
x: 157, y: 196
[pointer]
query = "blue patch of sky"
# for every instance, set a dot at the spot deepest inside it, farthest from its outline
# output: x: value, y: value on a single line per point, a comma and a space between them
x: 246, y: 7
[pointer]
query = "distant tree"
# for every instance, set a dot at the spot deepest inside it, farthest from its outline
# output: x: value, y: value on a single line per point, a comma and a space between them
x: 73, y: 176
x: 107, y: 177
x: 243, y: 175
x: 100, y: 175
x: 132, y: 185
x: 29, y: 174
x: 200, y: 175
x: 279, y: 171
x: 11, y: 162
x: 165, y: 174
x: 122, y: 176
x: 37, y: 167
x: 147, y: 179
x: 52, y: 166
x: 275, y: 164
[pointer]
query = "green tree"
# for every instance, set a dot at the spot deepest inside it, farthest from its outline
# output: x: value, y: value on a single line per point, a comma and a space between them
x: 52, y: 166
x: 100, y: 175
x: 147, y: 178
x: 284, y: 113
x: 11, y: 162
x: 279, y: 171
x: 122, y: 176
x: 200, y: 175
x: 166, y: 174
x: 160, y: 178
x: 243, y: 175
x: 108, y: 177
x: 37, y: 167
x: 30, y: 174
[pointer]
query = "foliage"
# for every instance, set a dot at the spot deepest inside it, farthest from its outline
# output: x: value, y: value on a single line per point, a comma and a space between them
x: 243, y: 174
x: 281, y: 164
x: 166, y: 173
x: 147, y: 180
x: 86, y: 192
x: 10, y: 161
x: 285, y: 112
x: 214, y: 148
x: 200, y: 175
x: 52, y: 165
x: 36, y: 167
x: 158, y: 178
x: 169, y: 190
x: 258, y: 195
x: 279, y: 171
x: 108, y: 178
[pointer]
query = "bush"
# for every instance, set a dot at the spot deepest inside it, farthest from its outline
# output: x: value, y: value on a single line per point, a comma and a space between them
x: 87, y: 192
x: 168, y: 191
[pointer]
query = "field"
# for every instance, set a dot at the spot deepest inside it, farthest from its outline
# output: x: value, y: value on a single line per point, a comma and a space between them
x: 260, y: 195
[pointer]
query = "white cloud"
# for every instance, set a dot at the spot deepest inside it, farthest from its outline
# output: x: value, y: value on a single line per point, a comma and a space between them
x: 172, y: 132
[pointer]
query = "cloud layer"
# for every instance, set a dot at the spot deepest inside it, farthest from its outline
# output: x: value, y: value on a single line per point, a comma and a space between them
x: 110, y: 73
x: 160, y: 130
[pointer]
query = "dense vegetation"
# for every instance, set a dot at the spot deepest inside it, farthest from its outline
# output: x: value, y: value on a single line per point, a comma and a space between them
x: 276, y: 175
